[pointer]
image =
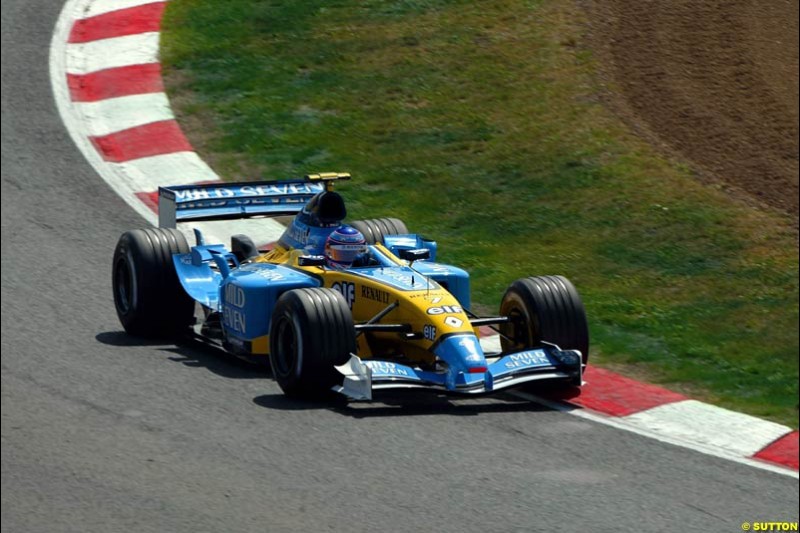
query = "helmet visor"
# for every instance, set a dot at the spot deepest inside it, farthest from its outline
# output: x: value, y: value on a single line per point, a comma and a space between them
x: 345, y: 253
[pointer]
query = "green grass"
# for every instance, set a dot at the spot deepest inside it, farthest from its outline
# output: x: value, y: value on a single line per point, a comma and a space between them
x: 479, y: 124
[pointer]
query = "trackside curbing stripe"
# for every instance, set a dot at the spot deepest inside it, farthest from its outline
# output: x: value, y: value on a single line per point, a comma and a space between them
x: 155, y: 138
x: 107, y: 83
x: 116, y: 82
x: 83, y: 58
x: 131, y: 21
x: 670, y: 417
x: 92, y: 8
x: 616, y: 395
x: 74, y: 122
x: 182, y: 168
x: 710, y: 425
x: 784, y: 451
x: 104, y: 117
x: 623, y: 424
x: 116, y: 67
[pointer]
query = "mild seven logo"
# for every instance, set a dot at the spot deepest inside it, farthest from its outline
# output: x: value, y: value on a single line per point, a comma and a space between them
x: 531, y: 358
x: 385, y: 368
x: 225, y: 193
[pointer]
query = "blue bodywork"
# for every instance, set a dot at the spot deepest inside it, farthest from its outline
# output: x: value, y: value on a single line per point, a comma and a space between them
x: 467, y: 370
x: 302, y: 236
x: 244, y: 295
x: 249, y: 294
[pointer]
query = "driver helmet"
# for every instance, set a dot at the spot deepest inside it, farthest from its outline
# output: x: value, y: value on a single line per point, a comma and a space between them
x: 343, y: 246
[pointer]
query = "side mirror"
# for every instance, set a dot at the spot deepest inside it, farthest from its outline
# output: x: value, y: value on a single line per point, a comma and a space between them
x: 415, y: 255
x: 311, y: 260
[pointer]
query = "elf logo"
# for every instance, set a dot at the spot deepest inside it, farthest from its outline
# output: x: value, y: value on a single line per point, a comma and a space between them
x: 348, y: 290
x: 445, y: 310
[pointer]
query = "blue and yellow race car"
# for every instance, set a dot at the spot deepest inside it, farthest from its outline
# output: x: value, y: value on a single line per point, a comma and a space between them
x: 352, y: 307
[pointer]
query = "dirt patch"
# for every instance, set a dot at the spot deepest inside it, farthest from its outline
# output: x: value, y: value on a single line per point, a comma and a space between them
x: 712, y: 82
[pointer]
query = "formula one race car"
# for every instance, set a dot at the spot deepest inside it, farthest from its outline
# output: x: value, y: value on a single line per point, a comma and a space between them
x: 392, y: 318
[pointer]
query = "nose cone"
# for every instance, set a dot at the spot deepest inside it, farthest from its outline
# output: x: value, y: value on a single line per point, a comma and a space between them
x: 462, y: 353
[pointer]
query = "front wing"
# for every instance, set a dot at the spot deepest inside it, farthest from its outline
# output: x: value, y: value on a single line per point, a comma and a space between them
x: 547, y: 363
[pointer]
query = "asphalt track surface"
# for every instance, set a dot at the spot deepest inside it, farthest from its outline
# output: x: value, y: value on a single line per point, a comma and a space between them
x: 104, y: 433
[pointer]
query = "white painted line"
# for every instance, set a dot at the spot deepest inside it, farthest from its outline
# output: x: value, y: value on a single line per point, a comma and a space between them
x: 99, y: 7
x: 115, y: 114
x: 83, y: 58
x: 709, y: 425
x: 180, y: 168
x: 623, y: 424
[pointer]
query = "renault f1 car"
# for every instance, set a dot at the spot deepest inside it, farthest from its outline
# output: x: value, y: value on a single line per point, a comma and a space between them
x: 398, y: 319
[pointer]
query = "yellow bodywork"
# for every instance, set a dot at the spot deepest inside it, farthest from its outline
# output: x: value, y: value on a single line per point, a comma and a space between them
x: 431, y: 311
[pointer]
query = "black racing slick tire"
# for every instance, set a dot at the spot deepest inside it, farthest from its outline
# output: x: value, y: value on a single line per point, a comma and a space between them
x: 148, y: 296
x: 544, y: 309
x: 375, y: 229
x: 311, y: 332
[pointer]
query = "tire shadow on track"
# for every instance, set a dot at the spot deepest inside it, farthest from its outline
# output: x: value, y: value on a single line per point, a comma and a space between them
x: 192, y: 354
x: 408, y: 403
x: 122, y: 339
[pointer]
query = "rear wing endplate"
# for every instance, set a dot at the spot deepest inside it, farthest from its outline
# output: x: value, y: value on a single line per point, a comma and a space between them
x: 219, y: 201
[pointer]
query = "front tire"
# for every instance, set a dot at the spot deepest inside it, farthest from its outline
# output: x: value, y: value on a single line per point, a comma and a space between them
x: 545, y: 308
x: 148, y: 296
x: 311, y: 332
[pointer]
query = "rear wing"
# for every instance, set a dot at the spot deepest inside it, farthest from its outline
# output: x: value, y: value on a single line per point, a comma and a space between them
x: 219, y: 201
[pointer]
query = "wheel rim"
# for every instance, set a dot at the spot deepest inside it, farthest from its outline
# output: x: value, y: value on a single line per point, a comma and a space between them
x: 286, y: 348
x: 516, y: 329
x: 125, y: 284
x: 522, y: 330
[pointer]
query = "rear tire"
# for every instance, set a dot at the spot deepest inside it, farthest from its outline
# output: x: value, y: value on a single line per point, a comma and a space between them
x: 375, y: 229
x: 148, y: 296
x: 545, y: 308
x: 311, y: 332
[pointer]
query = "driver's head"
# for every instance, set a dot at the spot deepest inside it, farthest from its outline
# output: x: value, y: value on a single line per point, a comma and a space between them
x: 344, y: 245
